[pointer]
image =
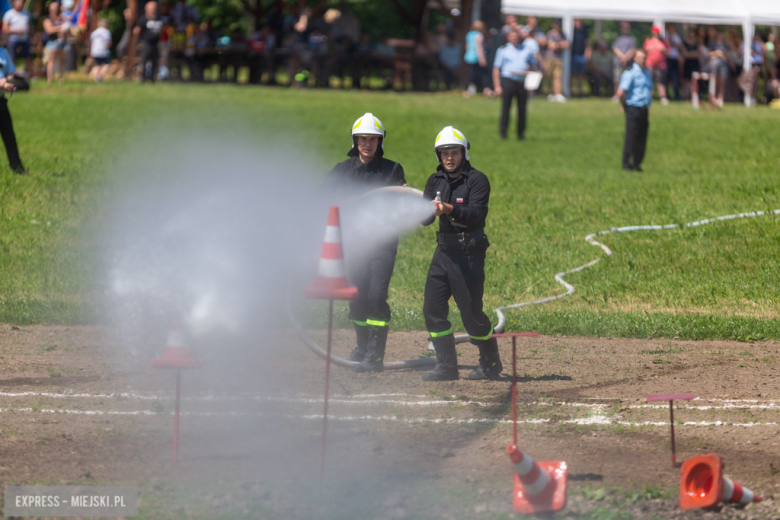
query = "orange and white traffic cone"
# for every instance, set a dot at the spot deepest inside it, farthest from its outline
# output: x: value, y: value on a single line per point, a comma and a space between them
x: 175, y: 354
x: 736, y: 493
x: 702, y: 484
x: 539, y: 486
x: 331, y: 280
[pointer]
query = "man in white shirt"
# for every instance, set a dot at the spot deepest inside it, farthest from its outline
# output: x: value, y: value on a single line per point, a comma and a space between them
x: 100, y: 49
x: 16, y: 25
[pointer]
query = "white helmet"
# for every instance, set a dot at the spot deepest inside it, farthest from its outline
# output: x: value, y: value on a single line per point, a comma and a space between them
x: 451, y: 136
x: 367, y: 124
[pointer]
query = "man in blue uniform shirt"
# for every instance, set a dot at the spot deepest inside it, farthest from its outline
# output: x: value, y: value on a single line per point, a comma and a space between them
x: 635, y: 92
x: 512, y: 63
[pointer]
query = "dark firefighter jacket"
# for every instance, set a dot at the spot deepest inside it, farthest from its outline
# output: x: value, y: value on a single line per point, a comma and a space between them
x: 468, y: 193
x: 352, y: 177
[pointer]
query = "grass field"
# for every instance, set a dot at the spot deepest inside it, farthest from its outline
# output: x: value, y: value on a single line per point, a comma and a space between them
x: 549, y: 191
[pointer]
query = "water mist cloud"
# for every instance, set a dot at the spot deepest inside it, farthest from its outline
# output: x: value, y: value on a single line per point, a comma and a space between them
x: 213, y: 233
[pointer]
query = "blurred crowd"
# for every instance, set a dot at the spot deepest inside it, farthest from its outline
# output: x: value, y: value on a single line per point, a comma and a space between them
x: 674, y: 60
x: 330, y: 49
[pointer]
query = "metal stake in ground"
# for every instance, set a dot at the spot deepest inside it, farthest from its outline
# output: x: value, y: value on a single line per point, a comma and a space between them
x: 330, y: 284
x: 539, y: 487
x: 327, y: 383
x: 176, y: 417
x: 514, y: 337
x: 670, y: 398
x: 176, y: 355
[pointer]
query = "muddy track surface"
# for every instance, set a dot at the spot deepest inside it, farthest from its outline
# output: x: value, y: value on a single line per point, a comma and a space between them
x: 76, y: 407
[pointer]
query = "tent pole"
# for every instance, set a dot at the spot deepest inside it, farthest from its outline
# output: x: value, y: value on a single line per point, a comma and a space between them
x: 747, y: 46
x: 660, y: 23
x: 568, y: 31
x: 598, y: 28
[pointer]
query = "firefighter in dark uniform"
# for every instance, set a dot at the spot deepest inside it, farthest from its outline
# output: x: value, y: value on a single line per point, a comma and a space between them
x: 458, y: 265
x: 365, y: 170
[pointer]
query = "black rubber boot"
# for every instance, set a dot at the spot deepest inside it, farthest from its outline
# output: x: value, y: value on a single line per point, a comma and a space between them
x: 375, y: 351
x: 359, y: 353
x: 490, y: 366
x: 447, y: 367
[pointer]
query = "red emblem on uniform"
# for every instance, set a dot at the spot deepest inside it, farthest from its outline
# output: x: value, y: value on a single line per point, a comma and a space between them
x: 459, y: 200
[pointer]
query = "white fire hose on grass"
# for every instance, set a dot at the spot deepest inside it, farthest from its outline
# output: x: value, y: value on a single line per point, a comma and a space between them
x: 416, y: 363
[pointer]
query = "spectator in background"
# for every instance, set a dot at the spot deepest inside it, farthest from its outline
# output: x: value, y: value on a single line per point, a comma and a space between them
x: 147, y: 31
x: 68, y: 21
x: 531, y: 37
x: 124, y: 41
x: 510, y: 24
x: 269, y: 47
x: 758, y: 50
x: 749, y: 81
x: 553, y: 62
x: 449, y: 57
x: 365, y: 61
x: 423, y: 63
x: 512, y: 63
x: 657, y: 51
x: 673, y: 60
x: 183, y: 15
x: 346, y: 26
x: 636, y: 93
x: 773, y: 54
x: 16, y: 25
x: 197, y: 42
x: 580, y: 54
x: 718, y: 64
x: 475, y: 58
x: 733, y: 93
x: 624, y: 48
x: 345, y: 33
x: 531, y: 28
x: 439, y: 39
x: 691, y: 54
x: 600, y: 67
x: 53, y: 40
x: 100, y: 49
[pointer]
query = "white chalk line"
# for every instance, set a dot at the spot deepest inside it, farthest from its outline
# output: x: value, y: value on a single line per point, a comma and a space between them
x: 362, y: 400
x: 595, y: 420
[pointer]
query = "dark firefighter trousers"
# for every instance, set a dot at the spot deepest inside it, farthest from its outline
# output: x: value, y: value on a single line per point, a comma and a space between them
x: 372, y: 280
x: 513, y: 89
x: 8, y: 135
x: 458, y: 272
x: 637, y: 124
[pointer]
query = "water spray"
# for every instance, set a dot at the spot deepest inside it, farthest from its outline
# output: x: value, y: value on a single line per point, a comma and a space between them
x: 312, y: 345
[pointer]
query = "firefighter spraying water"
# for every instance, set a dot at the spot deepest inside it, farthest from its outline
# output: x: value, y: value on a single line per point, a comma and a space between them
x: 367, y: 169
x: 458, y: 265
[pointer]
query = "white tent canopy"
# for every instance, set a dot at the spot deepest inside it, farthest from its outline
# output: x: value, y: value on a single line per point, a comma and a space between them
x: 737, y: 12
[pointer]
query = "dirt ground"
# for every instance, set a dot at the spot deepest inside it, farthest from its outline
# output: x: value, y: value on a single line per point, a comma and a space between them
x: 77, y: 408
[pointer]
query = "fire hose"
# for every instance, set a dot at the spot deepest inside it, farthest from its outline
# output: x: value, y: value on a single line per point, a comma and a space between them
x: 559, y: 277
